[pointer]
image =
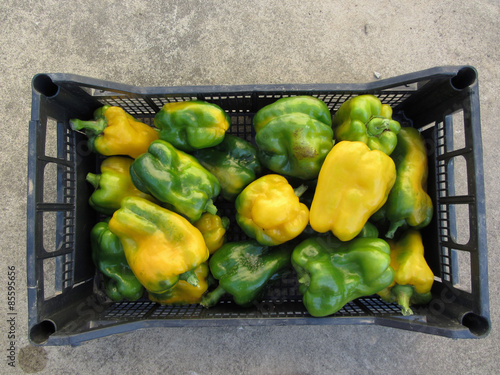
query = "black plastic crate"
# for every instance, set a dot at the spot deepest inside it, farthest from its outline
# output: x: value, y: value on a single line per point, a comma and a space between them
x: 66, y: 305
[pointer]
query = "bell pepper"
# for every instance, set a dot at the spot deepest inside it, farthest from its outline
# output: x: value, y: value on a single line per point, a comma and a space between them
x: 354, y: 183
x: 293, y: 136
x: 413, y: 277
x: 365, y: 119
x: 184, y: 293
x: 109, y: 258
x: 369, y: 231
x: 192, y: 125
x: 213, y: 228
x: 115, y: 132
x: 408, y: 204
x: 244, y: 270
x: 269, y: 210
x: 112, y: 185
x: 176, y: 179
x: 234, y: 162
x: 332, y: 273
x: 161, y: 246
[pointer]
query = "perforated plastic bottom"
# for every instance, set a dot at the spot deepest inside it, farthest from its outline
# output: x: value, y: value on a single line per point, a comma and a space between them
x: 267, y: 308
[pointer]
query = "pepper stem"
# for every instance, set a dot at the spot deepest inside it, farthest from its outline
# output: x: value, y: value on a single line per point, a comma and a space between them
x: 92, y: 126
x: 376, y: 125
x: 393, y: 228
x: 225, y: 222
x: 190, y: 277
x: 94, y: 179
x: 210, y: 299
x: 210, y: 207
x: 300, y: 190
x: 403, y: 294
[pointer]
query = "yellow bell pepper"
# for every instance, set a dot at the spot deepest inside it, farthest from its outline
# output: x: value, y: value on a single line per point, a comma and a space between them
x: 413, y: 277
x: 184, y: 293
x: 353, y: 183
x: 269, y: 210
x: 115, y: 132
x: 213, y: 228
x: 161, y: 246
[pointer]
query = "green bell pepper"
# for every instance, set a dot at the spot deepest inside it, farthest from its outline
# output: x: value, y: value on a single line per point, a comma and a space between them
x: 109, y: 258
x: 293, y: 136
x: 364, y: 118
x: 176, y: 179
x: 244, y: 270
x: 112, y: 185
x: 233, y: 161
x: 332, y: 273
x: 369, y: 231
x: 192, y: 125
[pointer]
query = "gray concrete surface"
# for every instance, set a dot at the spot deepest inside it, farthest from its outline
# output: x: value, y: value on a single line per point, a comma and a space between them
x: 241, y: 42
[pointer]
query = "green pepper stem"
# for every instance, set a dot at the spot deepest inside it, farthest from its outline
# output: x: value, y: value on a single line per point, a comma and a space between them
x: 190, y: 277
x: 225, y: 222
x: 393, y: 228
x: 94, y: 179
x: 403, y: 294
x: 94, y: 127
x: 300, y: 190
x: 376, y: 125
x: 210, y: 299
x: 210, y: 207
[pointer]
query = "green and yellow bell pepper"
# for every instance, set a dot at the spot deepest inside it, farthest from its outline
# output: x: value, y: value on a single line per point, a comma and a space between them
x: 184, y: 293
x: 408, y: 204
x: 245, y: 269
x: 293, y: 136
x: 332, y: 273
x: 269, y: 210
x: 161, y: 246
x: 213, y: 228
x: 112, y: 185
x: 115, y: 132
x: 365, y: 119
x: 109, y: 258
x: 234, y: 162
x: 176, y: 179
x: 192, y: 125
x: 413, y: 277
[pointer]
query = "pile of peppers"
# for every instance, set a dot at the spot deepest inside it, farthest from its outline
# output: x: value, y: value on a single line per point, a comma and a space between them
x: 335, y: 199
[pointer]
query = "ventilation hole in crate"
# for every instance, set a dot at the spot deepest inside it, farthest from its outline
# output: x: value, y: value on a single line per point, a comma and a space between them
x: 49, y: 224
x: 427, y: 127
x: 378, y: 306
x: 45, y: 86
x: 457, y: 173
x: 459, y: 221
x: 57, y: 179
x: 463, y: 280
x: 50, y: 183
x: 51, y: 277
x: 41, y: 332
x: 458, y: 131
x: 51, y: 138
x: 126, y: 310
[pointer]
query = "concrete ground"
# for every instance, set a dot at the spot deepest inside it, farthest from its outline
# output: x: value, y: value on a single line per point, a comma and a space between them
x: 164, y: 43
